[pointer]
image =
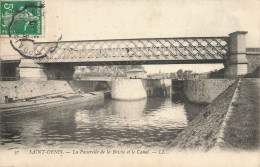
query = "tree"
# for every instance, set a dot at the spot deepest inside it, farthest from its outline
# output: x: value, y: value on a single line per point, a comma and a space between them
x: 187, y: 74
x: 217, y: 73
x: 173, y: 76
x: 180, y: 74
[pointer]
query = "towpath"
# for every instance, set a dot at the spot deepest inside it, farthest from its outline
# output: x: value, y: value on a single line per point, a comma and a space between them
x: 242, y: 129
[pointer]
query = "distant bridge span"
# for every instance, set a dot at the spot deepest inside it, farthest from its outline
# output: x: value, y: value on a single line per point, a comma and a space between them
x: 188, y: 50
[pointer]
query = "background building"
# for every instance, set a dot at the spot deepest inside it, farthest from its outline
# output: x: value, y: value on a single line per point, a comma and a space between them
x: 136, y: 73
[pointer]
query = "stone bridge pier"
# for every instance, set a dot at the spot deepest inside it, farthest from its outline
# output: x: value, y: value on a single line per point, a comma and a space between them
x: 236, y: 63
x: 29, y: 70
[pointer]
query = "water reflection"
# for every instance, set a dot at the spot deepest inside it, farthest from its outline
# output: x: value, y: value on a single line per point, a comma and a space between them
x: 20, y: 130
x: 132, y: 110
x: 110, y: 123
x: 192, y: 109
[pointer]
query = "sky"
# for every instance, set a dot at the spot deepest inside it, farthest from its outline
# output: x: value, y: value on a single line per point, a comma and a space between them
x: 122, y: 19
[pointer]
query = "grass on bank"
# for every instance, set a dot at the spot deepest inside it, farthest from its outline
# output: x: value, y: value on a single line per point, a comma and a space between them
x: 242, y: 131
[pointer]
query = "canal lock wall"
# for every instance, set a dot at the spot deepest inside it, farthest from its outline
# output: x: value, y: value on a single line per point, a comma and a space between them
x: 203, y: 132
x: 157, y: 87
x: 204, y: 91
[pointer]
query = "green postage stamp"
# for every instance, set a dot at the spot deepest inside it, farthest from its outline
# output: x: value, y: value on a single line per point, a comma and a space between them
x: 21, y: 18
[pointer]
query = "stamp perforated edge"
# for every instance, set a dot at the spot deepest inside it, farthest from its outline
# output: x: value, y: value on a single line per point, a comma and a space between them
x: 42, y: 35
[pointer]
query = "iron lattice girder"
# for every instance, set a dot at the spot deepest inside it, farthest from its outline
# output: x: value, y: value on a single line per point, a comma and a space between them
x: 168, y: 49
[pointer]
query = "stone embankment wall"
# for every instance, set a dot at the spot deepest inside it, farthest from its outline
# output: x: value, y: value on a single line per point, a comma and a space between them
x: 253, y: 62
x: 89, y: 86
x: 202, y: 132
x: 205, y: 90
x: 26, y: 89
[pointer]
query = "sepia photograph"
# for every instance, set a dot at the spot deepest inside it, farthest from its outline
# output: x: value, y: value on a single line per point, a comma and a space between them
x: 129, y: 83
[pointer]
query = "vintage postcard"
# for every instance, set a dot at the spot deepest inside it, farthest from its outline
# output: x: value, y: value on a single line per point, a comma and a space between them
x: 129, y: 83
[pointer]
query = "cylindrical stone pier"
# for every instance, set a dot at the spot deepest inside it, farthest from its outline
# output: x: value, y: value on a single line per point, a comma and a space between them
x: 128, y: 89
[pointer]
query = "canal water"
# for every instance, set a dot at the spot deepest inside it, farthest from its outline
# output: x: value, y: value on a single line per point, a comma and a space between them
x: 152, y: 122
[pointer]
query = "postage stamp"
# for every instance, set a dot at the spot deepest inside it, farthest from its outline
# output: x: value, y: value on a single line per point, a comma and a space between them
x: 22, y: 18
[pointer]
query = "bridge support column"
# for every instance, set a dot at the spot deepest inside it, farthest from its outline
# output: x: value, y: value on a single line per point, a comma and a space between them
x: 29, y: 70
x: 237, y: 61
